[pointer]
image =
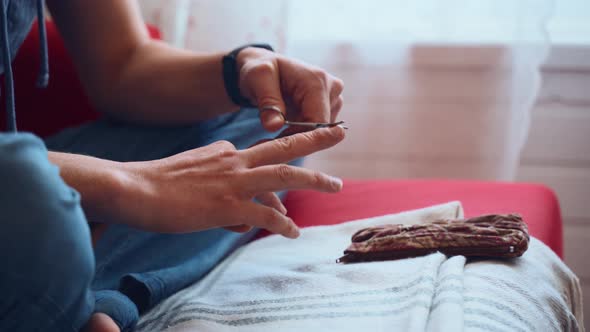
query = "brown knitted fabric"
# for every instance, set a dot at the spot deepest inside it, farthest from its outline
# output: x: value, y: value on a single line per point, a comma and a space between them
x: 503, y: 236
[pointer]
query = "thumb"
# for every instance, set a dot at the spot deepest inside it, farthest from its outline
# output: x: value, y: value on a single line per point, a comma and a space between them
x: 265, y: 88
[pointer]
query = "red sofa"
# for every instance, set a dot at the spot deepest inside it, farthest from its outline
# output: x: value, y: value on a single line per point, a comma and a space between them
x: 63, y: 104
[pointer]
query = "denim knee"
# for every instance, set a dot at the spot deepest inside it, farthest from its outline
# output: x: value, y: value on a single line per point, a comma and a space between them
x: 45, y: 245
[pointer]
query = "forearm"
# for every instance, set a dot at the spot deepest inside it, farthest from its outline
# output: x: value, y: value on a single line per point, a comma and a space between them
x: 164, y: 85
x: 130, y: 76
x: 99, y: 182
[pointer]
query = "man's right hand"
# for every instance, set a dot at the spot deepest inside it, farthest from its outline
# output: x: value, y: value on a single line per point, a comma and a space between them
x: 214, y: 186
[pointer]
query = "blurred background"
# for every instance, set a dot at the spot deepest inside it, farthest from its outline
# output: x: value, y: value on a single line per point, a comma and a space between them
x: 476, y: 89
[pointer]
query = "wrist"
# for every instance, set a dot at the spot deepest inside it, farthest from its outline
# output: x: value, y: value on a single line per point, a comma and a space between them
x: 101, y: 183
x: 130, y: 188
x: 106, y: 202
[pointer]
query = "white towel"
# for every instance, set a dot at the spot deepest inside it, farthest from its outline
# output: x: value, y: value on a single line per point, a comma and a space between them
x: 276, y: 284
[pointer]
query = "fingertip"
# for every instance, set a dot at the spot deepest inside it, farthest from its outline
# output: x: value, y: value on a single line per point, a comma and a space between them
x: 339, y: 132
x: 336, y: 184
x: 295, y: 233
x: 283, y: 209
x: 331, y: 135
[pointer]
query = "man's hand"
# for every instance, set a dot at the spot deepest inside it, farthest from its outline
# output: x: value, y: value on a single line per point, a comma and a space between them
x: 214, y: 186
x: 268, y: 79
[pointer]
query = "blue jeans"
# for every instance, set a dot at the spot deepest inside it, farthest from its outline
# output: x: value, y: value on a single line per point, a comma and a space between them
x: 52, y: 278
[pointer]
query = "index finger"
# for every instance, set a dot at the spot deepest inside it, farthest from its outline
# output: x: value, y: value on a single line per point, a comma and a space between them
x: 315, y: 107
x: 285, y: 149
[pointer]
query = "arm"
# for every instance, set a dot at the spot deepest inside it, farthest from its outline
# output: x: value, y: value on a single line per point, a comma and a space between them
x: 204, y: 188
x: 134, y: 78
x: 131, y: 76
x: 137, y: 79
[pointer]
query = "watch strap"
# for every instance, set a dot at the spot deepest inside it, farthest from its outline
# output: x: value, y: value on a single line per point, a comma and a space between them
x: 231, y: 75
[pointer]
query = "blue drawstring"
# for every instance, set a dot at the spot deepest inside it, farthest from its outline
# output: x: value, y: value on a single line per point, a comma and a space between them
x: 43, y: 78
x: 8, y: 80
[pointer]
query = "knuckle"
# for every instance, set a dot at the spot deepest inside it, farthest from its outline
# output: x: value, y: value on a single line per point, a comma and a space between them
x: 321, y: 75
x: 338, y: 84
x: 262, y: 68
x: 314, y: 136
x: 270, y: 100
x: 284, y: 173
x: 226, y: 145
x: 269, y: 218
x: 228, y: 154
x: 286, y: 143
x: 317, y: 179
x: 318, y: 81
x: 230, y: 160
x: 316, y: 87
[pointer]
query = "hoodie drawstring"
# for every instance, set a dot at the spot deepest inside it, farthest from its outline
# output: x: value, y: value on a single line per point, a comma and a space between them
x: 43, y: 77
x: 8, y: 80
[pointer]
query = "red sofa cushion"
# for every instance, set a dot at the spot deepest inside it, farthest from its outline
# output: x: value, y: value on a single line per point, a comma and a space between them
x: 536, y: 203
x: 63, y: 103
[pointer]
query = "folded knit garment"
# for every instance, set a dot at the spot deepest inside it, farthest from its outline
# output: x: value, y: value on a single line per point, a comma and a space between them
x: 499, y: 236
x: 278, y: 284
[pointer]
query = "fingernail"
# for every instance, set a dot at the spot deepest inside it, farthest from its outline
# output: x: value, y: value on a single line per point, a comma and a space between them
x: 336, y: 182
x: 338, y: 131
x: 272, y: 118
x: 293, y: 230
x: 283, y: 210
x: 275, y: 120
x: 295, y: 233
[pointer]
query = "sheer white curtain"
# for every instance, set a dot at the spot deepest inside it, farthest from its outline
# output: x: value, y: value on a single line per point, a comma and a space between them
x: 434, y: 88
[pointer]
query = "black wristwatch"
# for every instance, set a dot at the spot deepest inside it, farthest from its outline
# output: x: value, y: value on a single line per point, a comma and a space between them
x: 231, y: 76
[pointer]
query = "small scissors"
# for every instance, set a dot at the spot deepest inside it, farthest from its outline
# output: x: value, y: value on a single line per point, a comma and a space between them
x: 305, y: 124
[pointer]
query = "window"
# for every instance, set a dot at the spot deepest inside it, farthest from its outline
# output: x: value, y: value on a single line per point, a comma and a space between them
x: 436, y: 21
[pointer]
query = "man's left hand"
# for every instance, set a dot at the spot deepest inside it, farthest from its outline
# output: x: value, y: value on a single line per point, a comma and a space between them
x: 308, y: 93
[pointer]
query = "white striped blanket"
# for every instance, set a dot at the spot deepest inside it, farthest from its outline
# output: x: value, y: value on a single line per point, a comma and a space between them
x: 276, y: 284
